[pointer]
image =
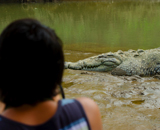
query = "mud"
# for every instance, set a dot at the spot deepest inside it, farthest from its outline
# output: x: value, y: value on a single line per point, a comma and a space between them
x: 125, y: 102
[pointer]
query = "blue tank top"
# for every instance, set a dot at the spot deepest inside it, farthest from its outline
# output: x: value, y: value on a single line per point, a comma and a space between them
x: 69, y: 116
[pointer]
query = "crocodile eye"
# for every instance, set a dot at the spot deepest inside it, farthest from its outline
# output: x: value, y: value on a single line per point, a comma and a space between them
x: 102, y: 56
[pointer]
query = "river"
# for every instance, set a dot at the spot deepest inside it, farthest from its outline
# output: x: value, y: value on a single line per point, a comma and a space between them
x: 89, y: 28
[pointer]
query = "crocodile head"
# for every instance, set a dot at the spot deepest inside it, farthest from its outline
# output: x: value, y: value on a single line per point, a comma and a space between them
x: 103, y: 62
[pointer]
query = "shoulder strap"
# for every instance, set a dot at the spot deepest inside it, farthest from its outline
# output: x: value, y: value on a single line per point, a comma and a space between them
x: 73, y: 115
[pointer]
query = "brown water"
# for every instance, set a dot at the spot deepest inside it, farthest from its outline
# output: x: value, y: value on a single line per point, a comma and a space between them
x: 90, y: 28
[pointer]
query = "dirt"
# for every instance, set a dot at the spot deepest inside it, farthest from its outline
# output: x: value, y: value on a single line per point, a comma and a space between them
x: 125, y: 102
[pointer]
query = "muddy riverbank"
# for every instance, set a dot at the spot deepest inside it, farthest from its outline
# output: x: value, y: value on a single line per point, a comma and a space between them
x: 125, y: 102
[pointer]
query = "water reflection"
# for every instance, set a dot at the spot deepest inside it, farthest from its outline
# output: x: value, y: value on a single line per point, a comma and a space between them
x: 26, y: 1
x: 97, y: 27
x: 94, y: 26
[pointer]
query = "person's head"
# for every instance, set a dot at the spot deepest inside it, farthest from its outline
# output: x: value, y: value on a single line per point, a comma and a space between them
x: 31, y: 63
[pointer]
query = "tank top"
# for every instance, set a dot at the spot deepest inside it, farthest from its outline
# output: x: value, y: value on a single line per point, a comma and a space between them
x: 70, y: 115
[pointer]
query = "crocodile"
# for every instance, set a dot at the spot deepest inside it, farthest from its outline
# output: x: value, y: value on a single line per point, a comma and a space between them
x: 132, y: 62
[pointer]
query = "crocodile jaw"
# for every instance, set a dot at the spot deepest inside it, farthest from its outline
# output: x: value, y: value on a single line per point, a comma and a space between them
x: 94, y: 64
x: 101, y: 68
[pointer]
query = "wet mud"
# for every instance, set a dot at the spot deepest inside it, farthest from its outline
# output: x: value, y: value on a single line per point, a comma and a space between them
x: 125, y: 102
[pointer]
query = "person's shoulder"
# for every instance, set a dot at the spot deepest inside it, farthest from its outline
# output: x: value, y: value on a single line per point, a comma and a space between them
x: 92, y: 111
x: 88, y: 103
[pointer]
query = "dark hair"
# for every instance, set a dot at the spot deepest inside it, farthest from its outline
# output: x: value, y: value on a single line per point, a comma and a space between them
x: 31, y: 63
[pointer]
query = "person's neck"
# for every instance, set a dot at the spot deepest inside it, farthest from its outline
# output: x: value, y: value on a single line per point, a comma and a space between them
x: 32, y: 115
